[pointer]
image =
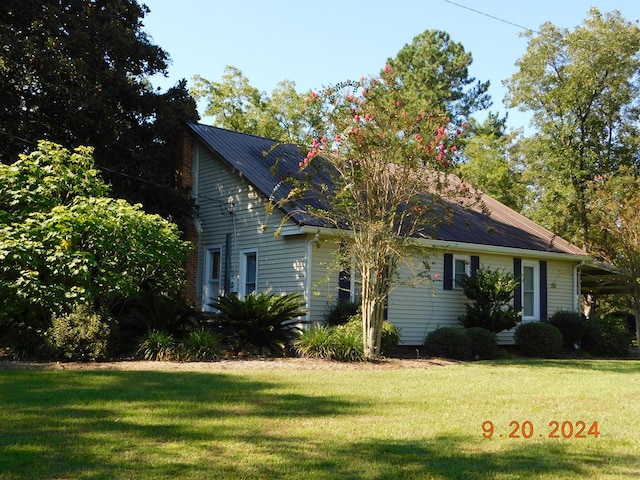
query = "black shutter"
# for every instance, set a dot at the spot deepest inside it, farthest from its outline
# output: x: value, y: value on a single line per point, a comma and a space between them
x: 543, y: 291
x: 447, y: 283
x: 475, y: 264
x: 517, y: 294
x: 344, y: 285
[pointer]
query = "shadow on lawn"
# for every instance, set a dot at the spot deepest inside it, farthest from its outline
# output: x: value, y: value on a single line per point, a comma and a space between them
x: 624, y: 366
x: 154, y: 425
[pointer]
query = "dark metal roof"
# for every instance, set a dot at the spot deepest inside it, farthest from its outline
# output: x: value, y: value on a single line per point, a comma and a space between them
x: 266, y: 164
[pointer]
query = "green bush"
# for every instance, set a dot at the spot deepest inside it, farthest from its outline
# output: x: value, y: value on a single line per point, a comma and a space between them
x: 200, y: 345
x: 484, y: 345
x: 341, y: 312
x: 448, y: 342
x: 572, y: 326
x: 539, y: 339
x: 263, y: 322
x: 81, y: 335
x: 607, y: 336
x: 342, y: 342
x: 491, y: 295
x: 157, y: 345
x: 347, y: 342
x: 316, y: 342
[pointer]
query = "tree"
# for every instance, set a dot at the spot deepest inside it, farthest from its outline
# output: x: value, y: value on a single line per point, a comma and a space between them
x: 63, y: 243
x: 434, y: 70
x: 235, y: 104
x: 615, y: 198
x: 582, y: 87
x: 488, y: 164
x: 77, y: 73
x: 378, y: 166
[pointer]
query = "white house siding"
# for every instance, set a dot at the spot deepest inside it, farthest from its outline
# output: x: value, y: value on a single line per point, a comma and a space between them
x: 418, y: 310
x: 228, y: 205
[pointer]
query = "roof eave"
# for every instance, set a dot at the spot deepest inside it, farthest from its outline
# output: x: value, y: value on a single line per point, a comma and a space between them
x: 290, y: 230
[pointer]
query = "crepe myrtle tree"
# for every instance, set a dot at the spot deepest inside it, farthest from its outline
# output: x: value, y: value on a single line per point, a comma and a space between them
x: 379, y: 166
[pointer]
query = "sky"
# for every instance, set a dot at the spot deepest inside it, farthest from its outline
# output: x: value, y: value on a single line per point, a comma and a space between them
x: 317, y: 44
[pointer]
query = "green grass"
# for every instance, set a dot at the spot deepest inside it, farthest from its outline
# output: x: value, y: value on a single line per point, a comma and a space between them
x: 342, y: 424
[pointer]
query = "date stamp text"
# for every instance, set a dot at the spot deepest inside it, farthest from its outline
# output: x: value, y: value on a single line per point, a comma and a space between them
x: 554, y: 429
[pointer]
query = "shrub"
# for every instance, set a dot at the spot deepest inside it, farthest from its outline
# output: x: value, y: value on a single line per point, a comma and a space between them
x: 316, y: 342
x: 263, y: 321
x: 157, y: 345
x: 390, y: 334
x: 572, y: 326
x: 200, y: 345
x: 347, y: 343
x: 484, y: 345
x: 539, y: 339
x: 607, y: 336
x: 81, y: 335
x: 491, y: 295
x: 342, y: 342
x: 448, y: 342
x: 341, y: 312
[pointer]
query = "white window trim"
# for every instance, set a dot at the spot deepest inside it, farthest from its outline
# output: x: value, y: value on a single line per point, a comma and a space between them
x: 467, y: 269
x: 536, y: 291
x: 243, y: 269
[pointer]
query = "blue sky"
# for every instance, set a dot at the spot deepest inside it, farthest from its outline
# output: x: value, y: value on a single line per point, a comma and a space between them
x: 317, y: 44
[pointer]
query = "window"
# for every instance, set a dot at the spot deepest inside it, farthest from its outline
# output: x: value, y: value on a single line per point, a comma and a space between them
x: 213, y: 275
x: 461, y: 268
x: 248, y: 272
x: 530, y: 291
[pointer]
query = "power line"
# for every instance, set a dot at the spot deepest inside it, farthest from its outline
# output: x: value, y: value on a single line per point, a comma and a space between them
x: 527, y: 29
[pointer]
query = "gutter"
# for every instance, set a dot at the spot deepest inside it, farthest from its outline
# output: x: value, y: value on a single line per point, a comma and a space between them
x: 291, y: 230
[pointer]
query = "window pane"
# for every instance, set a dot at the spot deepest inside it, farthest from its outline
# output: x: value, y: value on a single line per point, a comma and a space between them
x: 528, y: 291
x: 527, y: 279
x: 251, y: 272
x: 460, y: 270
x: 527, y: 304
x: 215, y: 265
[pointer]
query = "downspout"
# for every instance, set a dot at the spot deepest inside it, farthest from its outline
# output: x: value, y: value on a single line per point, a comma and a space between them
x: 308, y: 270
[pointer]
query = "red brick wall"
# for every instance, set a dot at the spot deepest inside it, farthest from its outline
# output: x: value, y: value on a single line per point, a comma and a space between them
x: 185, y: 180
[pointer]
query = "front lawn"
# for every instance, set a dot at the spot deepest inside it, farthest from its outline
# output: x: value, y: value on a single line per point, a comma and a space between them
x: 324, y: 424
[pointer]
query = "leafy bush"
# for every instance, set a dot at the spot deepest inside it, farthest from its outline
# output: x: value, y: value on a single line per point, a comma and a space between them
x: 491, y: 295
x: 264, y: 321
x: 157, y: 345
x: 484, y: 345
x: 343, y: 342
x: 347, y: 343
x: 341, y: 312
x: 572, y: 326
x: 200, y: 345
x: 448, y: 342
x: 539, y: 339
x: 316, y: 342
x: 607, y: 336
x: 62, y: 242
x: 81, y: 335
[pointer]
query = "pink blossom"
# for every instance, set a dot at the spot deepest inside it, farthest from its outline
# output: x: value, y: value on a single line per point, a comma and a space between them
x: 356, y: 118
x: 418, y: 137
x: 398, y: 103
x: 338, y: 138
x: 387, y: 69
x: 367, y: 117
x: 454, y: 148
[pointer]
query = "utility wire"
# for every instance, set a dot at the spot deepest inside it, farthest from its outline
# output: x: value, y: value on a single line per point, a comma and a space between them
x: 492, y: 17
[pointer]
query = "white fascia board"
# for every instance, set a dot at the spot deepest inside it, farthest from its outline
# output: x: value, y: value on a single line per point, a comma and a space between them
x: 289, y: 230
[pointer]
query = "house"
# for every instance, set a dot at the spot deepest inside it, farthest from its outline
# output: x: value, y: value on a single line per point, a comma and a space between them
x: 232, y: 175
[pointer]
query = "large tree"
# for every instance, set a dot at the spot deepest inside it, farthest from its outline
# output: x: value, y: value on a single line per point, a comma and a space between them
x: 235, y: 104
x: 378, y: 165
x: 434, y: 70
x: 582, y: 87
x: 77, y: 72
